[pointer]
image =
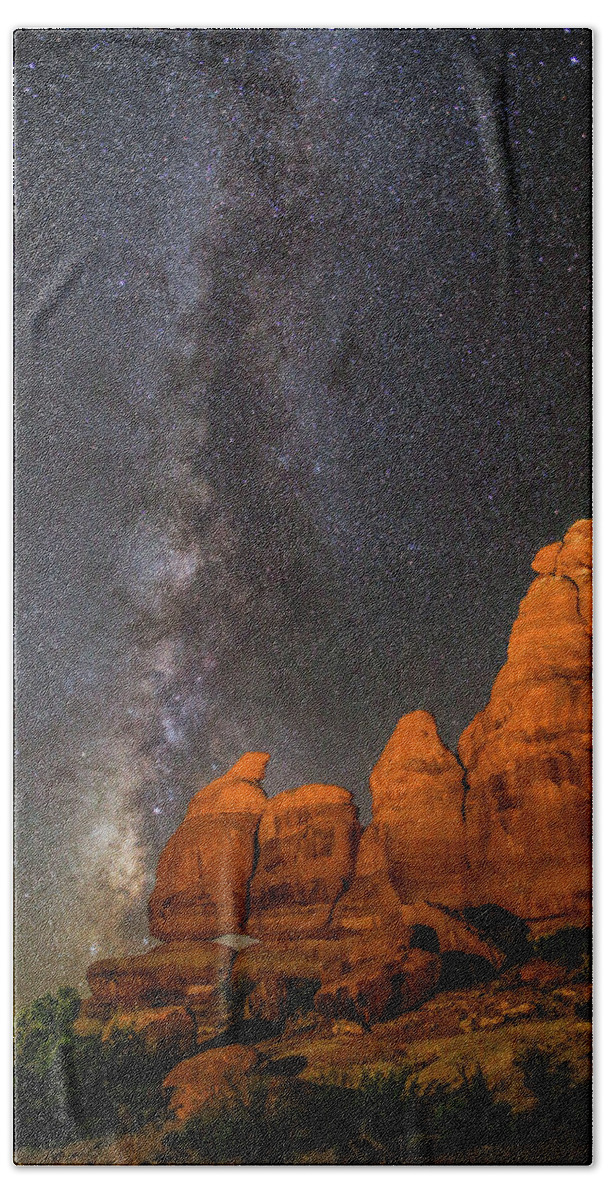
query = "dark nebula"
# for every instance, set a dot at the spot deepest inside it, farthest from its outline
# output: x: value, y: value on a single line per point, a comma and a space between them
x: 302, y: 384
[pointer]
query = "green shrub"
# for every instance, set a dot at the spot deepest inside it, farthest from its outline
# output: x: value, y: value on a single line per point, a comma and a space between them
x: 563, y: 1106
x: 69, y: 1087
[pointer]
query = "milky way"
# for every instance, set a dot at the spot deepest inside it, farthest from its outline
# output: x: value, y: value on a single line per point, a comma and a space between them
x: 302, y: 383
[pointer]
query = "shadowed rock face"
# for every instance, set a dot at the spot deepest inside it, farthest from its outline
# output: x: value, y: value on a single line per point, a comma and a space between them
x: 378, y: 982
x: 418, y: 792
x: 372, y: 908
x: 204, y: 872
x: 307, y: 846
x: 527, y: 755
x: 371, y: 905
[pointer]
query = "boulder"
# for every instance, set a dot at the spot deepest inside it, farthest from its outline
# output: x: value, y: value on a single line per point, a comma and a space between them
x: 86, y: 1027
x: 220, y: 1072
x: 307, y: 843
x: 541, y: 974
x: 418, y: 796
x: 203, y: 875
x: 527, y: 755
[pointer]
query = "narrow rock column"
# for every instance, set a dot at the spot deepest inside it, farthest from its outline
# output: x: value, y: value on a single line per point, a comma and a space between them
x: 418, y: 792
x: 528, y: 754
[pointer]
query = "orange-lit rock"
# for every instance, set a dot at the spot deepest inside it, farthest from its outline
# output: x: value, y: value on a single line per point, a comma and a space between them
x: 371, y: 904
x: 362, y: 927
x: 365, y: 977
x: 542, y: 974
x: 193, y: 975
x: 374, y: 975
x: 204, y: 871
x: 307, y: 842
x: 527, y: 755
x: 161, y: 1029
x: 571, y: 558
x: 379, y: 982
x: 220, y: 1072
x: 418, y: 792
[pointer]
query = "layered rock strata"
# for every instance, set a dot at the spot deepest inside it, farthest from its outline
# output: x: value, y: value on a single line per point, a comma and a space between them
x: 307, y: 843
x: 193, y: 976
x: 528, y: 754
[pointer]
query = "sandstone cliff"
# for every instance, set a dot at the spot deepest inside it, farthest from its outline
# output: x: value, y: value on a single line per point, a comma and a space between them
x: 307, y: 843
x: 527, y: 755
x: 204, y: 872
x: 364, y: 926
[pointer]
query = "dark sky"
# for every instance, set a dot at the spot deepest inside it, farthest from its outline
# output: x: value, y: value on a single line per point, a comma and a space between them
x: 302, y: 385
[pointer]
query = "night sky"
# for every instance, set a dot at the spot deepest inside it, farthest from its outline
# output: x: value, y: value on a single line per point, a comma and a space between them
x: 302, y: 384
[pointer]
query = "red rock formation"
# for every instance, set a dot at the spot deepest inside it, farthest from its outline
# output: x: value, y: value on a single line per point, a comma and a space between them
x: 418, y: 792
x: 307, y: 845
x: 356, y: 926
x: 204, y: 871
x: 193, y: 975
x: 454, y: 933
x: 351, y: 976
x: 280, y: 976
x: 371, y: 906
x: 527, y: 755
x: 379, y: 981
x: 215, y: 1073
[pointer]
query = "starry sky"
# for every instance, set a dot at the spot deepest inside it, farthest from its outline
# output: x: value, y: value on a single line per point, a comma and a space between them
x: 302, y: 384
